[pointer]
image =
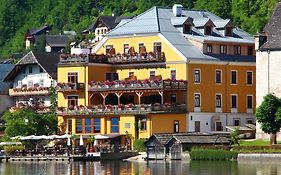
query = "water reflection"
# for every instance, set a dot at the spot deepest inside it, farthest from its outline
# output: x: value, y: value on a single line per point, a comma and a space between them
x: 148, y: 168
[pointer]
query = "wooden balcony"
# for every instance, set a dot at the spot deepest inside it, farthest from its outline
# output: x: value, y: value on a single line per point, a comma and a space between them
x: 122, y: 109
x: 28, y: 91
x: 70, y: 86
x: 137, y: 85
x: 38, y: 109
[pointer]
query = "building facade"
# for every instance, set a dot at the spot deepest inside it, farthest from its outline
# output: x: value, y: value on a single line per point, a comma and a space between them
x: 164, y: 71
x: 31, y: 78
x: 268, y: 77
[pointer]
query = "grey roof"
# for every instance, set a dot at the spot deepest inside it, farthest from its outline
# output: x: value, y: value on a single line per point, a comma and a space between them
x: 38, y: 30
x: 221, y: 23
x: 57, y: 40
x: 161, y: 20
x: 273, y: 30
x: 4, y: 70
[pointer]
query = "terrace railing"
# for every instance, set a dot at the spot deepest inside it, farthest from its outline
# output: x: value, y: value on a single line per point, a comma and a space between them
x: 29, y: 91
x: 70, y: 86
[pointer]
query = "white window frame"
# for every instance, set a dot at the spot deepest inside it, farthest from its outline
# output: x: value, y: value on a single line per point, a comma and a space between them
x: 234, y: 110
x: 249, y: 71
x: 250, y: 110
x: 216, y: 76
x: 197, y: 108
x: 171, y: 73
x: 194, y: 70
x: 218, y: 109
x: 231, y: 77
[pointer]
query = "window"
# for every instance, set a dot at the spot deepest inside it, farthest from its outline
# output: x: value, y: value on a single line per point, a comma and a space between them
x: 176, y: 126
x: 228, y: 31
x: 157, y: 47
x: 72, y: 101
x: 19, y: 84
x: 223, y: 49
x: 141, y: 45
x: 250, y: 121
x: 131, y: 74
x: 233, y: 77
x: 249, y: 77
x: 143, y: 123
x: 233, y: 101
x: 237, y: 50
x: 152, y: 73
x: 186, y: 28
x: 249, y: 102
x: 218, y: 100
x: 78, y: 125
x: 40, y: 69
x: 209, y: 48
x: 114, y: 125
x: 98, y: 31
x: 219, y: 126
x: 218, y: 76
x: 30, y: 69
x: 96, y: 125
x: 173, y: 74
x: 30, y: 84
x: 197, y: 100
x: 236, y: 122
x: 23, y: 70
x: 69, y: 126
x: 108, y: 49
x: 197, y: 76
x: 173, y: 98
x: 208, y: 30
x: 126, y: 48
x: 250, y: 50
x: 127, y: 125
x: 41, y: 82
x: 88, y: 125
x: 72, y: 77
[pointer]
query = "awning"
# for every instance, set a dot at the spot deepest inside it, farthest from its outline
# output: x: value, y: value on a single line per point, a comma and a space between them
x: 10, y: 143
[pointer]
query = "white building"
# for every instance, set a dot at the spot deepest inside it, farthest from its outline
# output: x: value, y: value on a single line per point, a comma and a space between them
x: 32, y: 77
x: 268, y: 63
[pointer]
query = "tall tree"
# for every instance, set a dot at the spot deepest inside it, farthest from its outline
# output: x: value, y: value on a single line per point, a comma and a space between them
x: 269, y: 116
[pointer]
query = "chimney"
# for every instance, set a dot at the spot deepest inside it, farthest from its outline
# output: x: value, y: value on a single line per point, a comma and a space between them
x: 260, y: 39
x: 177, y: 8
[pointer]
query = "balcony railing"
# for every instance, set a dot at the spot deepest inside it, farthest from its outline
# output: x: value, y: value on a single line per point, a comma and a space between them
x: 37, y: 109
x: 70, y: 86
x: 138, y: 85
x: 29, y: 91
x: 121, y: 109
x: 124, y: 58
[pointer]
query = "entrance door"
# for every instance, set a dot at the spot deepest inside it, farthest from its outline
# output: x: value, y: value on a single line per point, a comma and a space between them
x: 197, y: 126
x: 218, y: 126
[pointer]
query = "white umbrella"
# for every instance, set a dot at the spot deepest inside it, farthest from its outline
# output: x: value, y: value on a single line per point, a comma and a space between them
x: 95, y: 142
x: 81, y: 143
x: 31, y: 137
x: 65, y: 136
x: 101, y: 137
x: 10, y: 143
x: 68, y: 141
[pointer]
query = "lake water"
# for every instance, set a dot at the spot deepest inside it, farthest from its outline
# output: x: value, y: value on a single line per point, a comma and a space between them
x: 152, y: 167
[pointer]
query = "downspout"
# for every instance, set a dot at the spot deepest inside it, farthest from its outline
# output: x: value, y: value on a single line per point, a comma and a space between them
x: 226, y: 94
x: 187, y: 95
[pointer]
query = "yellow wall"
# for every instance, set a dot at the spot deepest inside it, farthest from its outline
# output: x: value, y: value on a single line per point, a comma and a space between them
x: 164, y: 123
x: 208, y: 88
x: 127, y: 119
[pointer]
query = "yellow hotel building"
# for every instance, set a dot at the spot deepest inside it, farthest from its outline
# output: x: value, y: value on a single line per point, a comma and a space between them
x: 166, y: 70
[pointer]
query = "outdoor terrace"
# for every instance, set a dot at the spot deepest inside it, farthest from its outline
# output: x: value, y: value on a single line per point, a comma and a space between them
x: 70, y: 86
x: 122, y: 109
x: 23, y: 91
x: 137, y: 85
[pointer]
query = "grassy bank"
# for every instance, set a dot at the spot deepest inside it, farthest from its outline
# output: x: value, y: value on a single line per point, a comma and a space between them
x: 212, y: 154
x: 257, y: 146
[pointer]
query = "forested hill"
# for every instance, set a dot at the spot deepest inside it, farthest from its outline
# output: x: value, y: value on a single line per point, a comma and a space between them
x: 18, y: 15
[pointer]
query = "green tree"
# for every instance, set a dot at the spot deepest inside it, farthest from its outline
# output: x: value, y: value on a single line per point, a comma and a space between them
x: 269, y: 116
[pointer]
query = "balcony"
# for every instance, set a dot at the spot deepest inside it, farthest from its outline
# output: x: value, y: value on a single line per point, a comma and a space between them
x: 70, y: 86
x: 68, y: 59
x: 122, y: 109
x: 41, y: 109
x: 29, y: 91
x: 137, y: 85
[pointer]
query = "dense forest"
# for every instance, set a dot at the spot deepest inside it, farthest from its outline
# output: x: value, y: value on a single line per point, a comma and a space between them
x: 17, y: 16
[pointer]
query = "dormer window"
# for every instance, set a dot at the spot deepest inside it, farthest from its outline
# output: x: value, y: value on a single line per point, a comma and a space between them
x: 208, y: 30
x: 186, y: 28
x: 228, y: 31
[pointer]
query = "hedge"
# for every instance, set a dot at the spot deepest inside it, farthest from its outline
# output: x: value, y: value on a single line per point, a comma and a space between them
x: 212, y: 154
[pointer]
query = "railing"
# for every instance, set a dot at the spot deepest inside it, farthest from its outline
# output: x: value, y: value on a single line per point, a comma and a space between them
x: 121, y: 109
x: 70, y: 86
x: 138, y: 85
x: 37, y: 109
x: 124, y: 58
x: 29, y: 91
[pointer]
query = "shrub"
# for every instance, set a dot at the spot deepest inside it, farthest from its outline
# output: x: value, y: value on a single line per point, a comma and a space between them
x: 212, y: 154
x: 139, y: 145
x: 10, y: 150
